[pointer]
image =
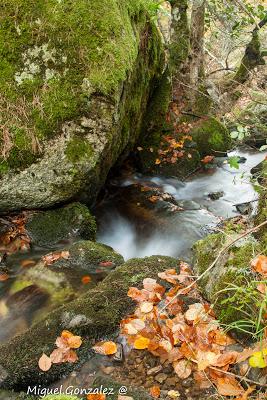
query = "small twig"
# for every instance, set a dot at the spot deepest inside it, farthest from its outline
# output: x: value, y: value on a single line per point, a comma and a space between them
x: 221, y: 252
x: 238, y: 376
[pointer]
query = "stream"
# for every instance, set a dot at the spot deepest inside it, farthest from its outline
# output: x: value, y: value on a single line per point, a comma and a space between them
x: 141, y: 216
x: 135, y: 228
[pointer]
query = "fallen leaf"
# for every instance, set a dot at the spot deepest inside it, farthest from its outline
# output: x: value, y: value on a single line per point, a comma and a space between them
x: 225, y: 359
x: 155, y: 391
x: 105, y: 348
x: 258, y: 359
x: 44, y: 363
x: 3, y: 276
x: 86, y: 279
x: 49, y: 259
x: 182, y: 368
x: 259, y: 264
x: 228, y: 386
x: 74, y: 342
x: 146, y: 307
x: 207, y: 159
x: 141, y: 343
x: 95, y: 396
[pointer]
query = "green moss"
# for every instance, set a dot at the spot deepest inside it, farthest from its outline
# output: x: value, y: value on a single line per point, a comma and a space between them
x: 211, y: 136
x: 95, y: 314
x: 54, y: 55
x: 49, y: 227
x: 78, y: 149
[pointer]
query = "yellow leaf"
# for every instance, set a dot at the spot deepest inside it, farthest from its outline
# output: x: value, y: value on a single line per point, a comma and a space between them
x: 258, y: 359
x: 141, y: 343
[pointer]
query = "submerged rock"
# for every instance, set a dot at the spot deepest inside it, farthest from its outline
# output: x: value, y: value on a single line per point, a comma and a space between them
x: 95, y: 314
x: 73, y: 95
x: 47, y: 228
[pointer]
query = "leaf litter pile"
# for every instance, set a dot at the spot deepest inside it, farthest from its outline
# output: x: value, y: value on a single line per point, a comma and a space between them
x: 187, y: 337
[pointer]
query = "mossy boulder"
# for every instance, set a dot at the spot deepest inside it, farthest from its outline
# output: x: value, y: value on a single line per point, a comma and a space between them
x: 75, y: 78
x: 47, y: 228
x: 88, y: 257
x: 41, y: 288
x: 229, y: 284
x: 95, y: 314
x: 211, y: 136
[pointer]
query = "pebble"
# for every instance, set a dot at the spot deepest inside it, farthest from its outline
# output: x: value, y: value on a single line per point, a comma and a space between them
x: 108, y: 370
x: 161, y: 377
x: 155, y: 370
x: 171, y: 381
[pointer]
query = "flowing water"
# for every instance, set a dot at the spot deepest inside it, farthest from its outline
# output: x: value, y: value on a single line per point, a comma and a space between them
x: 129, y: 224
x: 139, y: 216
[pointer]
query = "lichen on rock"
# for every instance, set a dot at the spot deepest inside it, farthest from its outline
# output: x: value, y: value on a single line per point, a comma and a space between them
x: 73, y: 95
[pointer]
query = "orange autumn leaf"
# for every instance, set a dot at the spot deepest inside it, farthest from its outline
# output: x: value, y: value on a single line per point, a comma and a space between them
x: 157, y: 162
x: 259, y: 264
x: 49, y: 259
x: 105, y: 348
x: 95, y: 396
x: 141, y: 343
x: 207, y: 159
x: 155, y: 391
x: 74, y: 342
x: 86, y: 279
x: 146, y: 307
x: 228, y: 386
x: 66, y: 334
x: 44, y: 363
x: 3, y: 277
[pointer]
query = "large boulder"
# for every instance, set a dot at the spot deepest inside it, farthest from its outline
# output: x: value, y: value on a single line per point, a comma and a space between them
x: 95, y: 314
x: 48, y: 228
x: 75, y: 79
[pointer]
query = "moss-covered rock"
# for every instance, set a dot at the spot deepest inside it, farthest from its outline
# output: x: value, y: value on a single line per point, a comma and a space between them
x: 90, y: 257
x: 49, y: 227
x: 93, y: 315
x: 211, y: 136
x: 75, y: 78
x: 229, y: 285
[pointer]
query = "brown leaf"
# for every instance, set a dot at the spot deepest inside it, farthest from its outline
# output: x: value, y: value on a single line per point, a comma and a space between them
x: 44, y: 363
x: 228, y: 386
x: 259, y: 264
x: 182, y: 368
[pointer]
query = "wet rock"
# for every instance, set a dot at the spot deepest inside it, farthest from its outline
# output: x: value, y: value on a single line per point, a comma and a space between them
x: 96, y: 313
x: 161, y: 377
x: 47, y: 228
x: 88, y: 256
x: 131, y: 391
x: 244, y: 208
x: 155, y: 370
x: 27, y: 301
x: 215, y: 195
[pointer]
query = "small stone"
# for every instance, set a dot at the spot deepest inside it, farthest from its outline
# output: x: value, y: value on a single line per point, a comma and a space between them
x: 168, y: 370
x: 187, y: 383
x: 155, y: 370
x: 173, y: 394
x: 215, y: 195
x: 171, y: 381
x: 120, y: 397
x: 107, y: 370
x: 161, y: 377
